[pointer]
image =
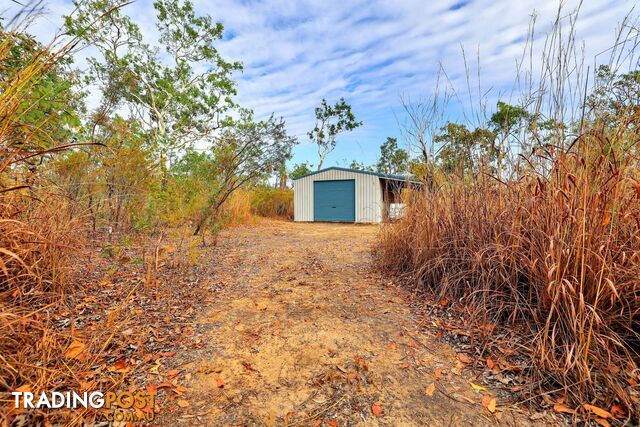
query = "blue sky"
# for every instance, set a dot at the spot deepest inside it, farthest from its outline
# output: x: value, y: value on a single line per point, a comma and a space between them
x: 371, y: 52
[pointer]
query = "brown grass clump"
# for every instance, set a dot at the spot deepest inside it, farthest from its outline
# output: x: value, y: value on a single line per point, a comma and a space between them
x: 555, y: 256
x: 273, y: 202
x: 38, y: 240
x: 546, y: 248
x: 245, y: 205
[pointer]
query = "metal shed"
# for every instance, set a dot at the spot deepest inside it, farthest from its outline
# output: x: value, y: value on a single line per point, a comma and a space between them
x: 346, y: 195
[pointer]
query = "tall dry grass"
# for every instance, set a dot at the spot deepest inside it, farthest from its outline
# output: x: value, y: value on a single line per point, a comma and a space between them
x: 39, y: 237
x: 245, y: 205
x: 559, y: 259
x: 550, y: 253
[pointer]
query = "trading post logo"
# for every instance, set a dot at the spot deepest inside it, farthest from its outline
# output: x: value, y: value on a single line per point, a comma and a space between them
x: 121, y: 406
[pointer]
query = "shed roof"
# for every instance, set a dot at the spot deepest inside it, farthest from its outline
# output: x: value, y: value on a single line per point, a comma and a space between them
x: 378, y: 174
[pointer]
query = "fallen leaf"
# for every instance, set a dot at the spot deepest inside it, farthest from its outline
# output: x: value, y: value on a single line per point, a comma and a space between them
x: 180, y: 389
x: 618, y: 411
x: 603, y: 422
x: 164, y: 385
x: 437, y: 374
x: 377, y: 409
x: 491, y: 406
x: 478, y: 387
x: 361, y: 364
x: 289, y: 416
x: 121, y: 366
x: 351, y: 377
x: 332, y: 423
x: 152, y: 389
x: 458, y: 369
x: 183, y: 403
x: 317, y: 422
x: 74, y: 350
x: 486, y: 399
x: 431, y: 389
x: 598, y: 411
x: 490, y: 363
x: 560, y: 407
x: 464, y: 358
x: 220, y: 382
x: 404, y: 366
x: 392, y: 346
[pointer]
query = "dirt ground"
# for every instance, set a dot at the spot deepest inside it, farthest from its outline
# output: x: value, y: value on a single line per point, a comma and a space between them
x: 304, y: 332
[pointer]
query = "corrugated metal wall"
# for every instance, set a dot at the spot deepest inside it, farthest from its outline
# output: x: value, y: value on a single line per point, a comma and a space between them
x: 369, y: 202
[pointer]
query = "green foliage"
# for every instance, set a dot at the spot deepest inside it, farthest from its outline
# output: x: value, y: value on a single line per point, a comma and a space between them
x: 330, y: 122
x: 418, y: 168
x: 244, y: 153
x: 49, y: 113
x: 359, y: 166
x: 616, y: 97
x: 508, y: 118
x: 465, y: 150
x: 111, y: 180
x: 178, y: 99
x: 175, y: 95
x: 393, y: 160
x: 300, y: 169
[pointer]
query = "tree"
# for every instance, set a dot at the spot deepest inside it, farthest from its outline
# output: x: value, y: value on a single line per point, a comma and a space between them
x: 417, y: 167
x: 360, y: 166
x: 505, y: 124
x: 465, y: 150
x: 241, y: 154
x: 421, y: 122
x: 41, y: 97
x: 393, y: 160
x: 330, y: 122
x: 508, y: 118
x: 180, y: 95
x: 300, y: 169
x: 616, y: 96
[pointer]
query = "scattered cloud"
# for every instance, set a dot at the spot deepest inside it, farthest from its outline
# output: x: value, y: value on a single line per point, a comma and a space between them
x: 370, y: 51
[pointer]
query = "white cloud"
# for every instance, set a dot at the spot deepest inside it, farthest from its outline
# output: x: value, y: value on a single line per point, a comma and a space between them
x: 297, y: 52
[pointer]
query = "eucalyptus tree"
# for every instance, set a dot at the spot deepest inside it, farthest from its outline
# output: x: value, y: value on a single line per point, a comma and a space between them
x: 393, y: 160
x: 330, y: 122
x: 245, y: 151
x: 181, y: 91
x: 300, y: 169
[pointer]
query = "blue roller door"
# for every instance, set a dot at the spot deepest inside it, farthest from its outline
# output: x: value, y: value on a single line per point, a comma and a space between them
x: 334, y: 200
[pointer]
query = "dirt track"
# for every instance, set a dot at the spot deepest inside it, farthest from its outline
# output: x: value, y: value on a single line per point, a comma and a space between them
x: 304, y: 333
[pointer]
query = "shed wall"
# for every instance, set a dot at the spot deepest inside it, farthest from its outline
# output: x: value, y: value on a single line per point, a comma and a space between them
x: 369, y: 203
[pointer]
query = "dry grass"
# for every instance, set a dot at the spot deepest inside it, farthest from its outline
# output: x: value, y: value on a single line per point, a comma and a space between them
x: 545, y: 245
x: 273, y: 203
x: 553, y: 256
x: 246, y: 205
x: 38, y: 240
